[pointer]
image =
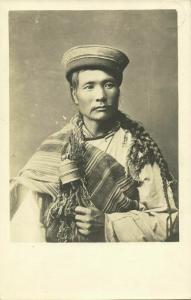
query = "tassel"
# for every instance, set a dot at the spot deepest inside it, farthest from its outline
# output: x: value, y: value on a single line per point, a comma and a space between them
x: 61, y: 213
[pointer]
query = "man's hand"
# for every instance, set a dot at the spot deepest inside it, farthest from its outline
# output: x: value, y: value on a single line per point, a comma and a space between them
x: 89, y: 220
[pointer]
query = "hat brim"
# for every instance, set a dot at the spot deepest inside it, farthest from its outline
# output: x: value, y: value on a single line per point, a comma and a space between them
x: 92, y: 63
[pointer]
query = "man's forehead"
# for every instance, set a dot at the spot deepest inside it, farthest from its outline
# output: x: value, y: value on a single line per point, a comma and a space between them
x: 94, y: 75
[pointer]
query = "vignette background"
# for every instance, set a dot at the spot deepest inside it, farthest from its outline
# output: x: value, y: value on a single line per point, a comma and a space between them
x: 39, y: 94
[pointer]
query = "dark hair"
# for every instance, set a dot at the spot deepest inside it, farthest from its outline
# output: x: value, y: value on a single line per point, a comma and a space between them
x: 74, y: 79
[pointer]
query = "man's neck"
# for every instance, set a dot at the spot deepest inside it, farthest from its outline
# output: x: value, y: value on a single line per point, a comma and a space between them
x: 98, y: 128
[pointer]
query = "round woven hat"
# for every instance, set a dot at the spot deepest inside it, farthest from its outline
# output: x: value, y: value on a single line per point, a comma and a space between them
x: 95, y: 57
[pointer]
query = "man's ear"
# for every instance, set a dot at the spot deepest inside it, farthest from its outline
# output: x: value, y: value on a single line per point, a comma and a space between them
x: 74, y: 97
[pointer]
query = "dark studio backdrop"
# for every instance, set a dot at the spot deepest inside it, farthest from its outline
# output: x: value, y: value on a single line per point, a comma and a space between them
x: 39, y: 94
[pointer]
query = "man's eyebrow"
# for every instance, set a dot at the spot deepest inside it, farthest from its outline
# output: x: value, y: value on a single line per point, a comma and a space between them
x: 109, y: 79
x: 89, y: 82
x: 103, y: 81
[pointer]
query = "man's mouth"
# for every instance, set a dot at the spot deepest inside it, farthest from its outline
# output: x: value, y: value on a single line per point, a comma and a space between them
x: 101, y: 108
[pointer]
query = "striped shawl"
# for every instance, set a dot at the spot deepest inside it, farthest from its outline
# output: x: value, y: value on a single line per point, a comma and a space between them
x: 71, y: 172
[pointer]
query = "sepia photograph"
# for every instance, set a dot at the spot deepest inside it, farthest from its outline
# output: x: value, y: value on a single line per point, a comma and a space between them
x: 93, y: 126
x: 95, y: 150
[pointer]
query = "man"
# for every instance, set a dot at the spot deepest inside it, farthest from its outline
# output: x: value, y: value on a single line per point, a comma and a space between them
x: 102, y: 177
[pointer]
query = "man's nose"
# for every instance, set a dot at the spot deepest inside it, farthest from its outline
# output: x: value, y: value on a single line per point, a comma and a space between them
x: 100, y: 94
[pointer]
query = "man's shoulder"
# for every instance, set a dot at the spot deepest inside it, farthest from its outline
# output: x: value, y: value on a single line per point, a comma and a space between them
x: 56, y: 140
x: 62, y: 133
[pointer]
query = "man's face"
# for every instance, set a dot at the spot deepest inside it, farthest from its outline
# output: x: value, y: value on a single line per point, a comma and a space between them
x: 97, y: 95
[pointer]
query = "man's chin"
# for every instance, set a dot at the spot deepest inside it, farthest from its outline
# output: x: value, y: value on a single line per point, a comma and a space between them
x: 102, y: 115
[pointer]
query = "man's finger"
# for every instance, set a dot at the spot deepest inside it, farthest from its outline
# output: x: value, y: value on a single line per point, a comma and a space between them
x: 82, y: 218
x: 84, y: 231
x: 83, y: 226
x: 82, y: 210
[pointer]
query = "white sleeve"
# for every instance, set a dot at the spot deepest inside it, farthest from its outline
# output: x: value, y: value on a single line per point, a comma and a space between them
x: 25, y: 224
x: 150, y: 222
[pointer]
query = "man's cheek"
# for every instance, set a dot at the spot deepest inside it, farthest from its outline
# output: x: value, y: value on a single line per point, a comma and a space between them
x: 84, y: 108
x: 114, y: 103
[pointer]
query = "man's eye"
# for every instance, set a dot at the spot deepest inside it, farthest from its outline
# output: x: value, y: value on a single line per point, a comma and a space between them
x: 88, y: 87
x: 109, y: 85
